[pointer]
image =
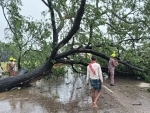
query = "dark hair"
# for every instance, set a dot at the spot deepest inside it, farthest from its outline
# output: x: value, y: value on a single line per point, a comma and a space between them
x: 93, y: 58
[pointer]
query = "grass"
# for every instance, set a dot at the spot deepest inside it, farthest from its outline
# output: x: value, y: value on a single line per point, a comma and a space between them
x: 148, y: 89
x: 3, y: 64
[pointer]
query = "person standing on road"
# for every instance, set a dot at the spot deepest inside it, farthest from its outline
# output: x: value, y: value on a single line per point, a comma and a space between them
x: 111, y: 68
x: 94, y: 76
x: 10, y: 67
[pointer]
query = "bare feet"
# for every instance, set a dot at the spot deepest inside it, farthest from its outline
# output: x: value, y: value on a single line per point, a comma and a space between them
x: 94, y: 105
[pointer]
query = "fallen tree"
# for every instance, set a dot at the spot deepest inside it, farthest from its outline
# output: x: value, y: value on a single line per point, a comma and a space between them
x: 45, y: 69
x: 57, y: 57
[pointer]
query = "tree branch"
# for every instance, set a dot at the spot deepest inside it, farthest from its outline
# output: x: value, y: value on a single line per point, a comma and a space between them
x: 74, y: 29
x: 45, y: 3
x: 83, y: 50
x: 60, y: 16
x: 76, y: 25
x: 7, y: 20
x: 91, y: 34
x: 61, y: 24
x: 121, y: 18
x: 55, y: 34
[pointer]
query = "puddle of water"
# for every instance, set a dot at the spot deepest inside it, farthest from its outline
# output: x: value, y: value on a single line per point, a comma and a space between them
x: 13, y: 106
x: 69, y: 94
x: 65, y: 89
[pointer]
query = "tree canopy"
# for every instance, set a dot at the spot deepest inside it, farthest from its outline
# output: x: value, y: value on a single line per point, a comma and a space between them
x: 72, y: 28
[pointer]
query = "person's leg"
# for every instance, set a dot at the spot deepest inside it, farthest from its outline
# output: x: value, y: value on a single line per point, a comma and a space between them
x: 93, y: 94
x: 96, y: 93
x: 112, y: 77
x: 97, y: 98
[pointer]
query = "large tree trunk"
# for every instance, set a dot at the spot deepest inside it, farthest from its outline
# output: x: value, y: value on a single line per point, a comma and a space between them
x: 15, y: 81
x: 45, y: 69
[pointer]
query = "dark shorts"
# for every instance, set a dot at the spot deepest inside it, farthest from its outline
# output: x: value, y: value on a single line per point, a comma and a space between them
x: 96, y: 84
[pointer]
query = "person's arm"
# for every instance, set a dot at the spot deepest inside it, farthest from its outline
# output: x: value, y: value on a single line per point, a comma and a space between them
x: 100, y: 74
x: 115, y: 62
x: 87, y: 76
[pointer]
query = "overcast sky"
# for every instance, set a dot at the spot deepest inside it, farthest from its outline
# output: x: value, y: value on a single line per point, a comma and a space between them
x: 30, y: 7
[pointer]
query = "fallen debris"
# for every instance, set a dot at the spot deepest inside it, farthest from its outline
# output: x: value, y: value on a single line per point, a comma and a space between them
x: 138, y: 103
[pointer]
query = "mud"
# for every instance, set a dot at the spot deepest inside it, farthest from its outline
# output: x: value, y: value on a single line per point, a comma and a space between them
x: 69, y: 94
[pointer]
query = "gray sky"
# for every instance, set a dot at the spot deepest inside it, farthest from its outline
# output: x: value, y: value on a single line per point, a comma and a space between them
x: 30, y: 8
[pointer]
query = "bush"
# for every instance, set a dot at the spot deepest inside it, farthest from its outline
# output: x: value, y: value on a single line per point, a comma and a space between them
x: 148, y: 89
x: 147, y: 78
x: 59, y: 71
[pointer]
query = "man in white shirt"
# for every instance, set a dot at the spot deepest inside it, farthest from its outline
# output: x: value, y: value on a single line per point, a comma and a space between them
x: 94, y: 76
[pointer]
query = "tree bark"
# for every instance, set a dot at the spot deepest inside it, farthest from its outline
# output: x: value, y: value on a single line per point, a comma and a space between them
x: 15, y: 81
x: 45, y: 69
x: 11, y: 82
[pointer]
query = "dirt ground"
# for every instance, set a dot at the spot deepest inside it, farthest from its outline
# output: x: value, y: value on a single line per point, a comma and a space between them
x: 130, y: 96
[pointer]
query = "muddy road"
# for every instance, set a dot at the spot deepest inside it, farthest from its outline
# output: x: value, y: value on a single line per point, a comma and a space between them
x: 69, y: 94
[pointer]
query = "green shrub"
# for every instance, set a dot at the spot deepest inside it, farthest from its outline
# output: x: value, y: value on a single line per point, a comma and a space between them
x: 59, y: 71
x: 47, y: 77
x: 147, y: 78
x: 148, y: 89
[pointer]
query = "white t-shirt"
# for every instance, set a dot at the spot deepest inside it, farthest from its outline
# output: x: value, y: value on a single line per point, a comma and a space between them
x: 98, y: 72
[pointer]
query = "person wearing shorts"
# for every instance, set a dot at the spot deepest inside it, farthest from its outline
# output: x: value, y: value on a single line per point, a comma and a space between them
x: 94, y: 78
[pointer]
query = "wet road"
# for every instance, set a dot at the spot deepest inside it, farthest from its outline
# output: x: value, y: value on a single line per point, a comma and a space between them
x: 69, y: 94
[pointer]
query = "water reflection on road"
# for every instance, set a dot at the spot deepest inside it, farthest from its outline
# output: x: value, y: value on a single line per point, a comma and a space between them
x: 63, y: 89
x: 13, y: 106
x: 69, y: 94
x: 48, y: 95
